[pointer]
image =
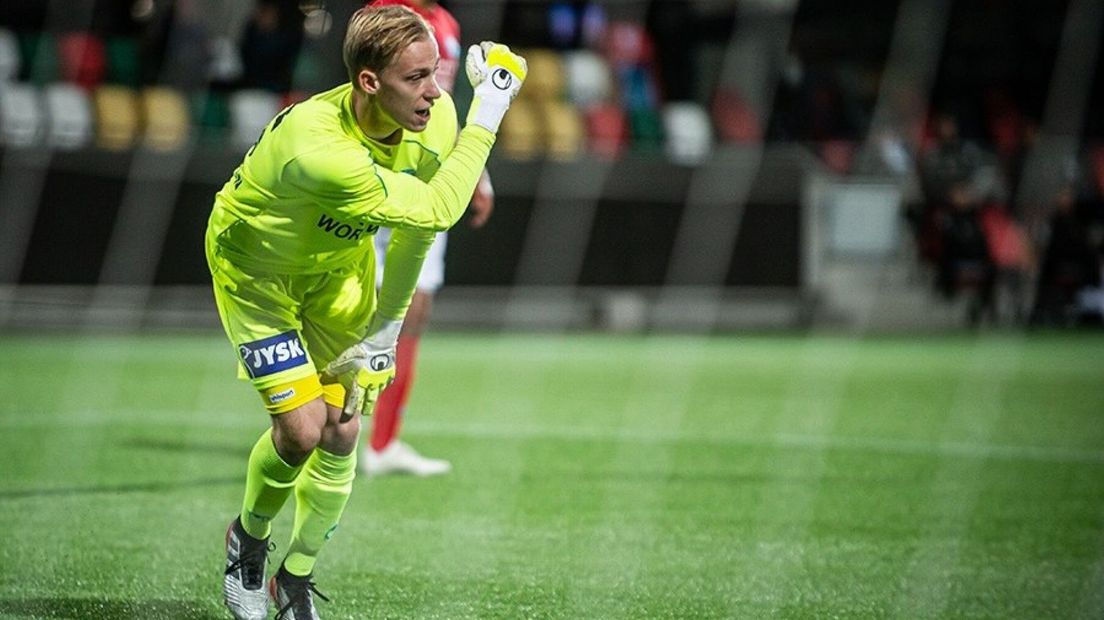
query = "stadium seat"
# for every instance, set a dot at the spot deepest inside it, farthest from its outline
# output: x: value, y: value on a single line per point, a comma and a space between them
x: 837, y: 155
x: 9, y: 56
x: 70, y: 116
x: 607, y: 130
x: 628, y: 44
x: 82, y: 59
x: 520, y: 135
x: 689, y: 133
x: 639, y: 90
x: 546, y: 76
x: 21, y: 122
x: 564, y: 136
x: 210, y: 115
x: 735, y: 119
x: 293, y: 97
x: 122, y: 62
x: 166, y: 119
x: 117, y: 120
x: 226, y: 63
x: 40, y: 58
x: 250, y: 112
x: 588, y: 78
x: 646, y: 130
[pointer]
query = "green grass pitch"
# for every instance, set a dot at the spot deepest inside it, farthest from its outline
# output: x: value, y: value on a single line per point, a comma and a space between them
x: 595, y: 477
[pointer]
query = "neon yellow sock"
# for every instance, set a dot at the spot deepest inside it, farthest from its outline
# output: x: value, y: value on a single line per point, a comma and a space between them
x: 268, y: 483
x: 320, y: 497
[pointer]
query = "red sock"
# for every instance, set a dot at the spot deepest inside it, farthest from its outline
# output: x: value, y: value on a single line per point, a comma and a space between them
x: 388, y: 414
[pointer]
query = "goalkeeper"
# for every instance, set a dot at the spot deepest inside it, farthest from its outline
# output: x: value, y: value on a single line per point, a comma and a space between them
x: 289, y: 245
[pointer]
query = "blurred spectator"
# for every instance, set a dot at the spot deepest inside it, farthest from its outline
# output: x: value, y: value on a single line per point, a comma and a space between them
x: 965, y: 265
x: 177, y: 50
x: 1013, y: 261
x: 951, y: 161
x: 270, y: 45
x: 1070, y: 264
x: 954, y: 169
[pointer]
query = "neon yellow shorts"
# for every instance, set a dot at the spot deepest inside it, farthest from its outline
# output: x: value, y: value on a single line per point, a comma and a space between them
x: 285, y: 328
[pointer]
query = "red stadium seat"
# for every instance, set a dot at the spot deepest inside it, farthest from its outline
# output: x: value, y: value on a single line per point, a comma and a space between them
x: 82, y: 59
x: 837, y: 155
x: 607, y: 130
x: 735, y: 119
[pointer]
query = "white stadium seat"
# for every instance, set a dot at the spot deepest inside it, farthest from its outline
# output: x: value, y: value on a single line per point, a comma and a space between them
x: 588, y: 78
x: 69, y: 111
x: 250, y: 112
x: 9, y: 56
x: 689, y: 132
x: 21, y: 119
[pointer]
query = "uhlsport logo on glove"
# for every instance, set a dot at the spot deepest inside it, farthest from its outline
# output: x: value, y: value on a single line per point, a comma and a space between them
x: 379, y: 362
x: 502, y: 79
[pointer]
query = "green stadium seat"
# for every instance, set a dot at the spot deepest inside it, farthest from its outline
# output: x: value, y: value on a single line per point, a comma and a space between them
x: 210, y: 115
x: 40, y: 59
x: 646, y: 129
x: 122, y: 62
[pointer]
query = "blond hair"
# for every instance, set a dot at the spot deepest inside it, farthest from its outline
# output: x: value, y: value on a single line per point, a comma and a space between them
x: 376, y: 35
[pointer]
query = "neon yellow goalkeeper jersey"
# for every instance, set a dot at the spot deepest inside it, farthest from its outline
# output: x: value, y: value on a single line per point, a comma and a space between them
x: 313, y: 189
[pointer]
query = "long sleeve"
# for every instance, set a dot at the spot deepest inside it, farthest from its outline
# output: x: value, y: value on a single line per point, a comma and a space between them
x: 405, y: 255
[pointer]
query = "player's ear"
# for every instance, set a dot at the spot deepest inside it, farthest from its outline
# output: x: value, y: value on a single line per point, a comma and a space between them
x: 368, y: 81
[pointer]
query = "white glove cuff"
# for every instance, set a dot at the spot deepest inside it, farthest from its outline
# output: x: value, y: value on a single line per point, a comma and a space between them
x: 384, y: 331
x: 487, y: 114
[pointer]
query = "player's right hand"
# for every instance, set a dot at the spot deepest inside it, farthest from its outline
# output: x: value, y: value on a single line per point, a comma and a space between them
x: 366, y: 368
x: 496, y: 75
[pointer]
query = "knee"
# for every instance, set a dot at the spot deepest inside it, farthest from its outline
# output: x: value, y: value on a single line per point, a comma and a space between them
x: 341, y: 437
x: 298, y: 432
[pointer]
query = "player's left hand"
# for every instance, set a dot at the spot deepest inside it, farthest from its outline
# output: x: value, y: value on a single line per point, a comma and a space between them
x: 366, y: 368
x: 482, y: 202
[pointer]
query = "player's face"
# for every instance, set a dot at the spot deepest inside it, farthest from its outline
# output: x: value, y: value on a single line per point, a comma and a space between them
x: 408, y: 87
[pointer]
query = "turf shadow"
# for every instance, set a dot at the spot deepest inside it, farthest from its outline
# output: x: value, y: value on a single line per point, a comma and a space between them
x: 72, y: 607
x: 238, y: 450
x: 137, y: 487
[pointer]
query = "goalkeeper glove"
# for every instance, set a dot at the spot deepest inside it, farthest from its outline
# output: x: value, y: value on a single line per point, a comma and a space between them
x: 496, y: 75
x: 365, y: 368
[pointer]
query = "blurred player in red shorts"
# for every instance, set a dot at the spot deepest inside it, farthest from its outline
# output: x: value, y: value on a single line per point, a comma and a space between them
x: 384, y: 453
